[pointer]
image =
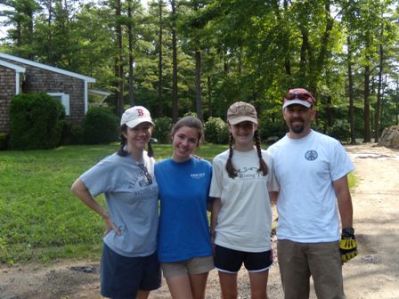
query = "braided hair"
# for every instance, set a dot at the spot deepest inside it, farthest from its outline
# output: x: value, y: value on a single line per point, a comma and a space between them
x: 232, y: 172
x: 122, y: 148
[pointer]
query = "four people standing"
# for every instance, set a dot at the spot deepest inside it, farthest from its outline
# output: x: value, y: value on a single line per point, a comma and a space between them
x: 305, y: 173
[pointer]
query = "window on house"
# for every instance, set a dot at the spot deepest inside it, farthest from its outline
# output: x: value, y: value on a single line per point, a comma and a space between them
x: 63, y: 98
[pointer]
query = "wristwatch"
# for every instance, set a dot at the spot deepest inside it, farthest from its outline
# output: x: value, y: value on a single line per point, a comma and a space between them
x: 348, y: 231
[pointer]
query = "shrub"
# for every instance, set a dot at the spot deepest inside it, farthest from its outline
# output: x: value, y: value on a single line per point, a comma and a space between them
x: 72, y: 134
x: 35, y: 121
x: 339, y: 130
x: 100, y: 126
x: 271, y: 132
x: 216, y: 131
x: 162, y: 129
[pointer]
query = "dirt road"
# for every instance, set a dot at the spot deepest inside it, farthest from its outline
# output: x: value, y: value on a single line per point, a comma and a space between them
x: 373, y: 274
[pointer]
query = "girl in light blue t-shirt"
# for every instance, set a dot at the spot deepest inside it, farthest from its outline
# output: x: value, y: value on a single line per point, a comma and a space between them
x: 129, y: 264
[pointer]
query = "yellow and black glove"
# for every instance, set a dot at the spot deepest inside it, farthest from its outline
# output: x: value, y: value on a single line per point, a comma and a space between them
x: 348, y: 244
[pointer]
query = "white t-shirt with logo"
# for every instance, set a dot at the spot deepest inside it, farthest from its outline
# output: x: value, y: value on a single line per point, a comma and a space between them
x: 245, y: 217
x: 305, y: 170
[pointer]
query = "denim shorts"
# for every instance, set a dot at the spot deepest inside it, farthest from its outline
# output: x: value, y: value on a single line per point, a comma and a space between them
x: 122, y: 277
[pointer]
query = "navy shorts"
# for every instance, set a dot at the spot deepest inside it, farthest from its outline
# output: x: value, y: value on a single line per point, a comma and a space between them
x: 122, y: 277
x: 230, y: 260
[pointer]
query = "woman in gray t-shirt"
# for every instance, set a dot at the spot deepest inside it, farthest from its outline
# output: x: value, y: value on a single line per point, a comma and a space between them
x: 129, y: 264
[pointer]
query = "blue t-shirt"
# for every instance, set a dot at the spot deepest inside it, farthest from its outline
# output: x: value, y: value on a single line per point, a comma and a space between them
x: 183, y: 224
x: 132, y: 202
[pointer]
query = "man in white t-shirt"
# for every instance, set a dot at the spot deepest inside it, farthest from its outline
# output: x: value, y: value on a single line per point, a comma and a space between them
x: 311, y: 169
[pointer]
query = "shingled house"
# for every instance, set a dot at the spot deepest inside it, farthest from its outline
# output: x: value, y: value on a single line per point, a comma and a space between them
x: 21, y: 75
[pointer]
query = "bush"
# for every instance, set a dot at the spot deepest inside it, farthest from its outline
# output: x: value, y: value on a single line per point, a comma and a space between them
x: 339, y: 130
x: 72, y: 134
x: 271, y: 132
x: 3, y: 141
x: 36, y: 121
x: 163, y: 126
x: 216, y: 131
x: 100, y: 126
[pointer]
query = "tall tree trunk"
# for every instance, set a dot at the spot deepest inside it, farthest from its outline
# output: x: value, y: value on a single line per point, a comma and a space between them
x: 49, y: 36
x: 377, y: 117
x: 119, y: 59
x: 131, y: 56
x: 198, y: 91
x: 175, y: 100
x: 303, y: 56
x: 160, y: 58
x: 397, y: 101
x: 209, y: 85
x: 366, y: 107
x: 350, y: 92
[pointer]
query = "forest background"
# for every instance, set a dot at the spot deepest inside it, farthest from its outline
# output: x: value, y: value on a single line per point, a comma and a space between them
x: 175, y: 56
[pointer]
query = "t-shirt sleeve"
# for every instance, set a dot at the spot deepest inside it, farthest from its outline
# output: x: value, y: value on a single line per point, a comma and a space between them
x: 272, y: 184
x: 341, y: 163
x: 97, y: 179
x: 217, y: 179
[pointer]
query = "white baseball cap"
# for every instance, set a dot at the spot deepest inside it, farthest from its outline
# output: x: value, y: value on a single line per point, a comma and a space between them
x: 299, y: 96
x: 135, y: 116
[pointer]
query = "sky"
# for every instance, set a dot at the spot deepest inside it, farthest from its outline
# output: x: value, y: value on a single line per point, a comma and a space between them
x: 3, y: 29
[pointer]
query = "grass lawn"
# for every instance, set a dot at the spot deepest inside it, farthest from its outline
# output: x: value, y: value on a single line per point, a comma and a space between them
x: 40, y: 219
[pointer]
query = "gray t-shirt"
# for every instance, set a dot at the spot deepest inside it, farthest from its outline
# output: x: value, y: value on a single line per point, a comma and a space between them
x: 132, y: 202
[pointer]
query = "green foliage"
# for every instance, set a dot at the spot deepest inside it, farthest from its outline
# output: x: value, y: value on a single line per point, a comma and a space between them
x: 216, y: 131
x: 36, y: 121
x: 339, y: 130
x: 100, y: 126
x: 163, y: 126
x: 72, y: 134
x: 271, y: 128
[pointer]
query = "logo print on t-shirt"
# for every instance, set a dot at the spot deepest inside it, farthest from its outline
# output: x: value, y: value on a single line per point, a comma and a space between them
x: 248, y: 172
x: 311, y: 155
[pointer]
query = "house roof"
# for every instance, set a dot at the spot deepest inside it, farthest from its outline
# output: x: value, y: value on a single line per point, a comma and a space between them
x: 17, y: 68
x: 45, y: 67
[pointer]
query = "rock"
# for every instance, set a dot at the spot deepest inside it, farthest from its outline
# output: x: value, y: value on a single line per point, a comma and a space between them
x: 390, y: 137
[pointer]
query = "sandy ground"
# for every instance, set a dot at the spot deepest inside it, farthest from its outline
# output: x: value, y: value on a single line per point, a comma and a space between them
x: 373, y: 274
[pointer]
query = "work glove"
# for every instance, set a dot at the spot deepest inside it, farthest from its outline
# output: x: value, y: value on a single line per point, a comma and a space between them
x: 348, y: 244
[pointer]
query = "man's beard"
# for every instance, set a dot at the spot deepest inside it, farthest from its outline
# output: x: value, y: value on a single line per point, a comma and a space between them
x: 297, y: 129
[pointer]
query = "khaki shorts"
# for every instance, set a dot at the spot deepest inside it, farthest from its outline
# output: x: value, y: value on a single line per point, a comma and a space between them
x: 197, y: 265
x: 299, y: 261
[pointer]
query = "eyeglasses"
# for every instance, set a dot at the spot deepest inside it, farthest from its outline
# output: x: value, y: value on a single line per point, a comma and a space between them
x: 146, y: 173
x: 300, y: 94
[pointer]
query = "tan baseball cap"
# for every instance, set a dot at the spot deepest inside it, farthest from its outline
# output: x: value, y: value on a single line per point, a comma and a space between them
x: 135, y: 116
x: 241, y: 111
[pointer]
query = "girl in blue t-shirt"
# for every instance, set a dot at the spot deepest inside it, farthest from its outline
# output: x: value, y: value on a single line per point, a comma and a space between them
x: 184, y: 246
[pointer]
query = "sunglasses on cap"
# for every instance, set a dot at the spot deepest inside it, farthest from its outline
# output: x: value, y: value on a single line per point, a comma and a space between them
x: 300, y: 94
